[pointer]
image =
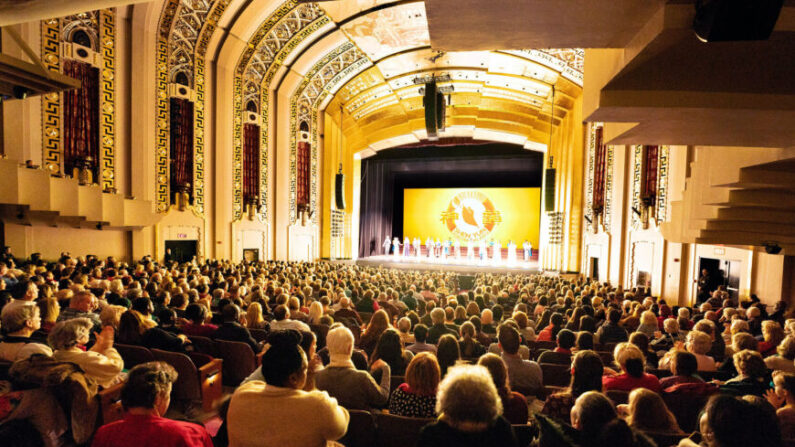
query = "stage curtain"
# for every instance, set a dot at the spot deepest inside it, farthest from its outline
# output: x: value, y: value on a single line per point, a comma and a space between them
x: 650, y: 158
x: 600, y: 163
x: 81, y: 117
x: 250, y: 162
x: 385, y: 176
x: 181, y: 146
x: 302, y: 173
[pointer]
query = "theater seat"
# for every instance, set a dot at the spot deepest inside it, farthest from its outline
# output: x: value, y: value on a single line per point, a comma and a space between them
x: 194, y: 384
x: 259, y: 334
x: 398, y: 431
x: 686, y: 407
x: 395, y: 382
x: 133, y: 355
x: 361, y: 430
x: 524, y: 434
x: 110, y: 409
x: 618, y: 396
x: 556, y: 375
x: 239, y: 361
x: 665, y: 439
x: 205, y: 345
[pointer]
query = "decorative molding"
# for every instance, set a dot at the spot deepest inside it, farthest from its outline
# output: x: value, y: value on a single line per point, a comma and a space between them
x: 183, y: 35
x: 607, y: 214
x: 637, y: 173
x: 588, y: 211
x: 51, y: 102
x: 275, y: 38
x: 662, y: 185
x: 107, y: 98
x: 315, y: 87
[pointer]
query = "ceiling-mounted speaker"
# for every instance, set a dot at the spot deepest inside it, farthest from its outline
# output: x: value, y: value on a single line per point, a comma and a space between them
x: 735, y: 20
x: 339, y: 190
x: 434, y: 103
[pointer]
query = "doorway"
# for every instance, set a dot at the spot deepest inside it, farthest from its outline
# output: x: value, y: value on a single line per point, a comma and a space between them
x: 182, y: 251
x: 594, y: 268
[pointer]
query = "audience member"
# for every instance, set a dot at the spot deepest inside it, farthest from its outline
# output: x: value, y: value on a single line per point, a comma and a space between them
x: 417, y: 396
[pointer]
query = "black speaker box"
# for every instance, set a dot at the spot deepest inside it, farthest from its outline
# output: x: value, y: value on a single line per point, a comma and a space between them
x: 549, y: 190
x: 339, y: 190
x: 735, y: 20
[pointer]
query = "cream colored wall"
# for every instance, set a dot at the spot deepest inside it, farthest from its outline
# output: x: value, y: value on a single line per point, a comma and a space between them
x: 768, y: 277
x: 52, y: 241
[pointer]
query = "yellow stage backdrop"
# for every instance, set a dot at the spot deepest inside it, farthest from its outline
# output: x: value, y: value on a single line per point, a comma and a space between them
x: 475, y: 214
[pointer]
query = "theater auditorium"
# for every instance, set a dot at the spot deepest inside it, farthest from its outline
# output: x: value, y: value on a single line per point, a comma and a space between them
x: 397, y: 223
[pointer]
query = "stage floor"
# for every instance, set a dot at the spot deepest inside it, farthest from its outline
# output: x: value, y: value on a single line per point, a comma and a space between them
x: 450, y: 265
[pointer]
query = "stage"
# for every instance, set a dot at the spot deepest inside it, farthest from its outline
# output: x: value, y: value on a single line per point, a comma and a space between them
x: 461, y: 265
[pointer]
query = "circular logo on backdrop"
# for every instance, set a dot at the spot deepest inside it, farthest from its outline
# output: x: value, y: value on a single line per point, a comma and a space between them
x: 471, y: 216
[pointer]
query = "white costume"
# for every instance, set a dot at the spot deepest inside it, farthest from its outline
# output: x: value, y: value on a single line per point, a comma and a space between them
x: 482, y: 250
x: 396, y: 247
x: 470, y: 249
x: 430, y: 246
x: 406, y: 247
x: 386, y: 245
x: 417, y: 246
x: 511, y: 253
x: 497, y: 252
x: 457, y: 249
x: 528, y: 250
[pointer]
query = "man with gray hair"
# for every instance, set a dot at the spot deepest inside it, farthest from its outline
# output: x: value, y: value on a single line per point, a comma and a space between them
x: 82, y: 305
x: 20, y: 323
x: 438, y: 327
x: 354, y: 389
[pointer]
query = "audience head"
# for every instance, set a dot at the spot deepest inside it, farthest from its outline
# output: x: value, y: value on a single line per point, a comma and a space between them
x: 423, y: 374
x: 148, y: 387
x: 284, y: 364
x: 786, y: 348
x: 586, y: 373
x: 630, y: 359
x: 591, y: 412
x: 231, y: 313
x: 584, y: 341
x: 509, y: 339
x: 420, y: 333
x: 614, y: 316
x: 467, y: 398
x: 447, y: 352
x: 437, y: 316
x: 25, y: 318
x: 389, y: 348
x: 196, y: 313
x: 750, y: 364
x: 648, y: 412
x: 566, y: 339
x: 735, y: 422
x: 683, y: 363
x: 70, y: 333
x: 698, y: 342
x: 339, y: 341
x: 744, y: 340
x: 498, y: 371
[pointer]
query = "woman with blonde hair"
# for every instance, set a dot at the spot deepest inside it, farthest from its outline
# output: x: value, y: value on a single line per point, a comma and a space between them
x: 254, y: 318
x: 315, y: 312
x: 417, y: 396
x: 648, y: 324
x: 646, y: 411
x: 632, y: 362
x: 111, y: 315
x: 773, y: 334
x: 50, y: 309
x: 525, y: 329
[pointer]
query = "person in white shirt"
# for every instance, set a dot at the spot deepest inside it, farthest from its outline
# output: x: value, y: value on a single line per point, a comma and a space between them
x: 396, y: 247
x: 20, y: 323
x: 101, y: 363
x: 386, y: 245
x: 429, y: 245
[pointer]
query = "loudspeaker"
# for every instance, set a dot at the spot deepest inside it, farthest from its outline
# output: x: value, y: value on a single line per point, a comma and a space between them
x: 734, y: 20
x: 339, y: 190
x: 466, y: 282
x: 549, y: 190
x: 435, y: 110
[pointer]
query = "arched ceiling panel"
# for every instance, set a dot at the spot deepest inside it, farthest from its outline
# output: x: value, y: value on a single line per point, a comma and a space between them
x: 390, y: 30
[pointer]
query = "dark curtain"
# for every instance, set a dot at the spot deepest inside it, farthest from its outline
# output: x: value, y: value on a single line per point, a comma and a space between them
x: 81, y: 117
x: 302, y: 160
x: 250, y: 163
x: 386, y: 175
x: 600, y: 162
x: 650, y: 157
x: 181, y: 147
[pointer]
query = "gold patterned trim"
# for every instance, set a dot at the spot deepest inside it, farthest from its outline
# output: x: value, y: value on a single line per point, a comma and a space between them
x: 107, y: 97
x: 51, y: 102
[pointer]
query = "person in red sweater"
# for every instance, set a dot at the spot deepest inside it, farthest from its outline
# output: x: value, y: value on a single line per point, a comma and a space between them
x: 145, y: 398
x: 632, y: 363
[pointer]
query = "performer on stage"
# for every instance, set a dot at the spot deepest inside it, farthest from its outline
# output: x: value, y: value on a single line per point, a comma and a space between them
x: 470, y: 249
x: 396, y: 247
x: 446, y: 249
x: 406, y: 247
x: 417, y: 247
x: 497, y: 253
x: 511, y: 252
x: 386, y: 245
x: 483, y: 249
x: 438, y: 248
x: 528, y: 250
x: 457, y: 249
x: 430, y: 246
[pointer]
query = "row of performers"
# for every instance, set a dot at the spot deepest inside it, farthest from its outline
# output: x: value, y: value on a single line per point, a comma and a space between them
x: 448, y: 248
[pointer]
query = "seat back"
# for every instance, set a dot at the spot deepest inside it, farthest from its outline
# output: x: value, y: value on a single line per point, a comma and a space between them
x: 686, y: 407
x: 665, y: 439
x: 204, y: 345
x: 187, y: 386
x: 548, y: 345
x: 133, y: 355
x: 556, y: 375
x: 709, y: 376
x: 398, y: 431
x: 395, y: 382
x: 618, y: 396
x: 524, y: 434
x: 361, y: 430
x: 239, y: 361
x: 259, y: 334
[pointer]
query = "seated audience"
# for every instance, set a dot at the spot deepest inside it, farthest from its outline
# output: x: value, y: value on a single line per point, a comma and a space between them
x: 82, y: 305
x: 468, y: 343
x: 772, y: 335
x: 740, y: 341
x: 420, y: 336
x: 514, y: 405
x: 591, y: 413
x: 632, y: 363
x: 447, y: 352
x: 584, y: 342
x: 379, y: 323
x: 640, y: 340
x: 197, y: 325
x: 282, y: 321
x: 752, y: 375
x: 345, y: 311
x: 646, y: 411
x: 133, y: 331
x: 19, y: 324
x: 698, y: 344
x: 232, y: 330
x: 550, y: 332
x: 101, y: 363
x: 353, y: 389
x: 782, y: 398
x: 785, y: 360
x: 586, y: 375
x: 145, y: 398
x: 417, y: 396
x: 404, y: 330
x: 611, y: 332
x: 683, y: 365
x: 562, y: 354
x: 730, y: 421
x: 524, y: 376
x: 281, y: 401
x: 648, y: 324
x: 390, y: 350
x: 470, y: 412
x: 669, y: 337
x: 254, y: 318
x: 438, y: 328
